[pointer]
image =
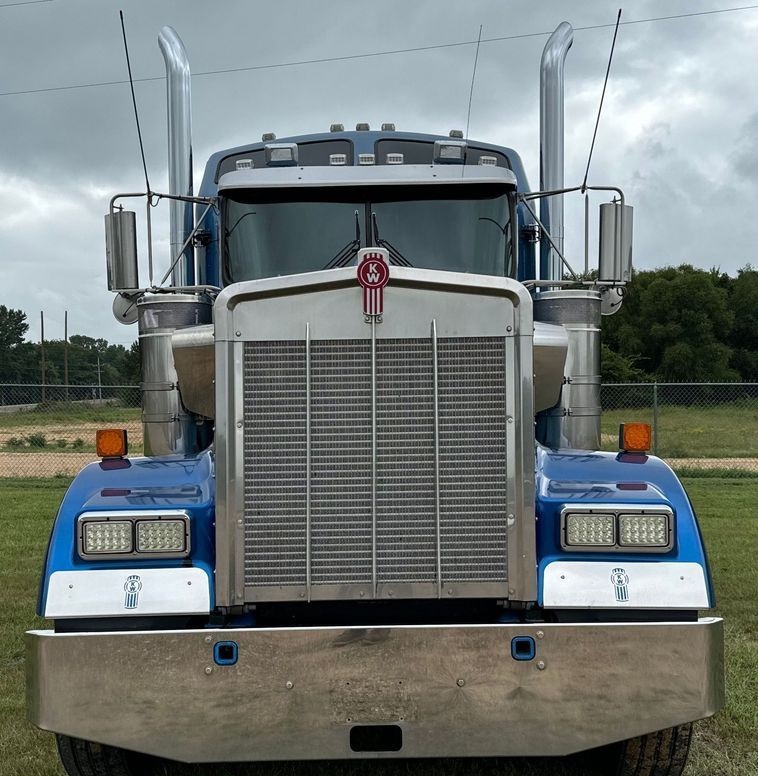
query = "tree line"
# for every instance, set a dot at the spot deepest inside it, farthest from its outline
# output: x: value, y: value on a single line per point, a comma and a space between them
x: 677, y: 324
x: 682, y: 324
x: 91, y: 361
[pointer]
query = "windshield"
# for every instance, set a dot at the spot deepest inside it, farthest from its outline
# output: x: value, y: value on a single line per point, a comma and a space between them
x: 269, y: 233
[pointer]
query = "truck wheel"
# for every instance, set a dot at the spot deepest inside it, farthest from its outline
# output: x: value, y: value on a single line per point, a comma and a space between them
x: 656, y: 754
x: 86, y: 758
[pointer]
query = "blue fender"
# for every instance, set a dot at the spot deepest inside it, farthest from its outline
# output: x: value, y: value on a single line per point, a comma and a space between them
x: 566, y: 477
x: 170, y: 482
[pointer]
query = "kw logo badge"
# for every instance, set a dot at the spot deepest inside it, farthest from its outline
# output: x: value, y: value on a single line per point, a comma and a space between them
x: 132, y: 586
x: 620, y: 581
x: 373, y: 274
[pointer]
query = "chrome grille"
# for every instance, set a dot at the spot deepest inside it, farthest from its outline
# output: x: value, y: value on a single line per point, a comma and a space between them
x: 362, y: 478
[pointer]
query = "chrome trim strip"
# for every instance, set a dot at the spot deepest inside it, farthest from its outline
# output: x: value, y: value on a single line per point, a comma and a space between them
x: 374, y: 580
x: 102, y: 592
x: 437, y: 456
x: 577, y: 584
x: 308, y: 459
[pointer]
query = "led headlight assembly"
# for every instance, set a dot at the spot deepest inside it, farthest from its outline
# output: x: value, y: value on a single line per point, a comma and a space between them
x: 155, y: 534
x: 617, y: 527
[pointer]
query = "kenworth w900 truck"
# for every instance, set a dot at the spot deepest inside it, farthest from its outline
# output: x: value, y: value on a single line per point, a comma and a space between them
x: 372, y: 519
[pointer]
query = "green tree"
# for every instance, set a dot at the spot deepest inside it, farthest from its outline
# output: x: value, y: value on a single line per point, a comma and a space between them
x: 675, y: 325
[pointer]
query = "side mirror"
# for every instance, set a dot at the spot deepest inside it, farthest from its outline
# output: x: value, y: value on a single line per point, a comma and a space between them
x: 121, y: 250
x: 615, y: 244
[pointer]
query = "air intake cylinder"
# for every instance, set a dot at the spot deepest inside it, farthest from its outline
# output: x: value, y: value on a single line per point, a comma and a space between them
x: 168, y: 426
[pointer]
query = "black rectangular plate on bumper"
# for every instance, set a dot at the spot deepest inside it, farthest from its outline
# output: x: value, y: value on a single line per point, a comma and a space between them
x: 297, y: 693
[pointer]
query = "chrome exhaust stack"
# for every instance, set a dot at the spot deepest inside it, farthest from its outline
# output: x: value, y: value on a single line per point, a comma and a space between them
x: 169, y: 427
x: 179, y: 108
x: 551, y: 145
x: 574, y: 422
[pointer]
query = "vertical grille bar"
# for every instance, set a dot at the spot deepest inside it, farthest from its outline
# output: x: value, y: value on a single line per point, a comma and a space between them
x: 374, y: 578
x: 437, y: 455
x: 308, y: 459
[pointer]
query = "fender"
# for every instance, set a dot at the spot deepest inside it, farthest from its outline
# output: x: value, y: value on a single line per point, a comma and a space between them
x: 137, y: 484
x: 565, y: 477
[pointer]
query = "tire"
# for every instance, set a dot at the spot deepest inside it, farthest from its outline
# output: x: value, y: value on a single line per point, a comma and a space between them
x: 656, y: 754
x: 86, y: 758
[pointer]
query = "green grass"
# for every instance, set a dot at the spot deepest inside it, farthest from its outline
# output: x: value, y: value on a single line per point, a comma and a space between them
x: 721, y: 431
x: 62, y: 412
x: 724, y: 746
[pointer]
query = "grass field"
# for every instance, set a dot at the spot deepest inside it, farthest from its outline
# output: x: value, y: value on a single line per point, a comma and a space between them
x: 719, y: 431
x: 724, y: 746
x: 62, y: 427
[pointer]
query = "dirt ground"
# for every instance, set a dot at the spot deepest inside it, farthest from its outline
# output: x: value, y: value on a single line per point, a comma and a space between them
x: 70, y: 432
x: 52, y: 463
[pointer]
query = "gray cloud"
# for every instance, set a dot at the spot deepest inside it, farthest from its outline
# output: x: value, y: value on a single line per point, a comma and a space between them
x: 679, y: 131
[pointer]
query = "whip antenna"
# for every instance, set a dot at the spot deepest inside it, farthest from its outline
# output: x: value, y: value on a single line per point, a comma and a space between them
x: 473, y: 77
x: 134, y: 103
x: 602, y: 97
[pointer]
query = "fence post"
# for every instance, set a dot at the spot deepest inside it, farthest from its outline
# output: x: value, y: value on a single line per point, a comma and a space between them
x: 655, y: 418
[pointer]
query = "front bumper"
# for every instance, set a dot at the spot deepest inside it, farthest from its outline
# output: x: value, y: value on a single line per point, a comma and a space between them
x: 296, y: 693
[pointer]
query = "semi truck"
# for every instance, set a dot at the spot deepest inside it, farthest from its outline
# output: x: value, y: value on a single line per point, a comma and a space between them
x: 373, y: 518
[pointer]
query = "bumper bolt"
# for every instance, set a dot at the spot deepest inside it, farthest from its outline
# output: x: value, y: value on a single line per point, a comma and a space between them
x: 540, y: 634
x: 541, y: 665
x: 289, y: 685
x: 208, y: 670
x: 461, y: 682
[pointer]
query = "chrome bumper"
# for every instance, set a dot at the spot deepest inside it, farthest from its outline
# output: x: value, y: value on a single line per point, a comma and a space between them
x: 296, y: 693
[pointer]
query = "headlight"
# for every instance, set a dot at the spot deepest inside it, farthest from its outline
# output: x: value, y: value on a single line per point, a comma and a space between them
x: 160, y: 536
x: 591, y: 530
x: 643, y: 530
x: 157, y: 534
x: 617, y: 527
x: 107, y: 537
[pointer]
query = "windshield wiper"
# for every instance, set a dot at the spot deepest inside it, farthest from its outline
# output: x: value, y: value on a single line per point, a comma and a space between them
x: 396, y: 257
x: 345, y: 255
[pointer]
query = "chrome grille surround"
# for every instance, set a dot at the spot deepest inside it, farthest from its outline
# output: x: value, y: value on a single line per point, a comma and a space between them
x: 362, y: 461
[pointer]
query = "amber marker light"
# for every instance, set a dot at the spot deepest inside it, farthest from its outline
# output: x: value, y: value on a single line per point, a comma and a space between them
x: 635, y: 437
x: 111, y: 443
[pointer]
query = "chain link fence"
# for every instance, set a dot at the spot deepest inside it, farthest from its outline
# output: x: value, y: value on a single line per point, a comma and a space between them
x: 702, y: 429
x: 49, y: 430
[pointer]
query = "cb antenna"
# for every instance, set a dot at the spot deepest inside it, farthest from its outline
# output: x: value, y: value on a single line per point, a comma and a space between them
x: 148, y: 190
x: 134, y: 103
x: 473, y: 77
x: 600, y: 108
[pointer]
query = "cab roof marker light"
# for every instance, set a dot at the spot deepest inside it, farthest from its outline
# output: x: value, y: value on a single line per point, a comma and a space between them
x: 457, y: 134
x: 337, y: 160
x: 488, y: 161
x: 337, y: 128
x: 281, y: 154
x: 366, y: 159
x: 267, y: 137
x: 244, y: 164
x: 388, y: 127
x: 395, y: 158
x: 362, y: 126
x: 449, y: 152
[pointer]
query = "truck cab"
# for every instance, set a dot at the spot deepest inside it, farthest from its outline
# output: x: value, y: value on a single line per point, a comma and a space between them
x: 372, y: 518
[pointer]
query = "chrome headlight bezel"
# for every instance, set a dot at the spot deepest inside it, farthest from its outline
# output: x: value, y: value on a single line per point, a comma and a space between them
x: 617, y: 510
x: 133, y: 518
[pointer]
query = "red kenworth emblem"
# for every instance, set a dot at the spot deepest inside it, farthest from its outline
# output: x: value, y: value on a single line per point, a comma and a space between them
x: 373, y: 274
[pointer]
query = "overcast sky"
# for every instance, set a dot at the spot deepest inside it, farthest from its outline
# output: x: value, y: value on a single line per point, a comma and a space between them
x: 679, y: 132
